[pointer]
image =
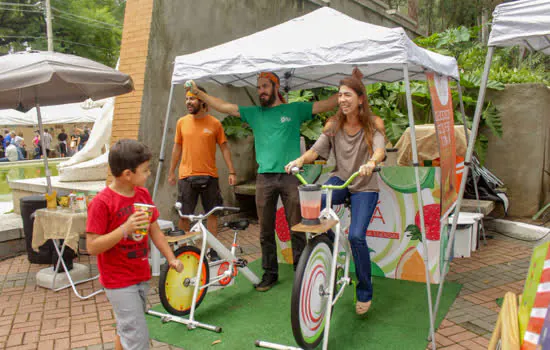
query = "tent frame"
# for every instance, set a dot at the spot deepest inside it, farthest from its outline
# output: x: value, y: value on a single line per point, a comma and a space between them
x: 477, y: 117
x: 406, y: 75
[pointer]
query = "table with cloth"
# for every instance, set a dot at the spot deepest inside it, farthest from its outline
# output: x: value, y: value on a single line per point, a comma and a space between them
x: 66, y: 225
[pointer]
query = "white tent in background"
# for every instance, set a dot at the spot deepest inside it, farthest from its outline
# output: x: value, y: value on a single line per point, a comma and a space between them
x: 61, y: 114
x: 14, y: 117
x: 319, y: 56
x: 65, y: 114
x: 525, y: 23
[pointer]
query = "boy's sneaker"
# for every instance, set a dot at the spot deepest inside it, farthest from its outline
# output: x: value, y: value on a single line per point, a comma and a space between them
x: 267, y: 282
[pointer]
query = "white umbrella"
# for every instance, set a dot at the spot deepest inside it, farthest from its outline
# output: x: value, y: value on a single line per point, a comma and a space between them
x: 35, y: 78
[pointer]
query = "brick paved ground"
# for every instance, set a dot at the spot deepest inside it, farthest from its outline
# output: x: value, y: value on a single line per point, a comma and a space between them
x: 36, y: 318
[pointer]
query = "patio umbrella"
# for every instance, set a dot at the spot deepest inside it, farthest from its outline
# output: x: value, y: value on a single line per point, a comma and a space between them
x: 35, y: 78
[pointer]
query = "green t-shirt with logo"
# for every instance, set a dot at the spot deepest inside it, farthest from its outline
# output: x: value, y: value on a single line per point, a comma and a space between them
x: 276, y: 133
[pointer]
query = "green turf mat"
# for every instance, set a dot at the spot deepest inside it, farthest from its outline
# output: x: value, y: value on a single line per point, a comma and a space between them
x: 398, y: 318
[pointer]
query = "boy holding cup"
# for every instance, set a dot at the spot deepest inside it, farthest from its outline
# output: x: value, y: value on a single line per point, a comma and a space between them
x: 120, y: 219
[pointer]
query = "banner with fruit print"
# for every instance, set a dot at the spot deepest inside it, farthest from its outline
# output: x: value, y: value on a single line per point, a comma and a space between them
x: 393, y: 236
x: 442, y: 105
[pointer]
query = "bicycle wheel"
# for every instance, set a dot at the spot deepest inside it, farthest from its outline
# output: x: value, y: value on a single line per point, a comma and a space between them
x: 175, y: 289
x: 308, y: 304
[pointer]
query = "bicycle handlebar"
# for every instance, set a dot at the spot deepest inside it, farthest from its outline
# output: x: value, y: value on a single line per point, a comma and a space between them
x: 296, y: 171
x: 192, y: 217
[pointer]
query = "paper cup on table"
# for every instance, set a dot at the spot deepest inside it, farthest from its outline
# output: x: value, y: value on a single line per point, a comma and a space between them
x: 146, y: 208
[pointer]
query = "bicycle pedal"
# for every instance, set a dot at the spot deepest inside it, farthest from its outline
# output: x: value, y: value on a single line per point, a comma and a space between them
x: 241, y: 263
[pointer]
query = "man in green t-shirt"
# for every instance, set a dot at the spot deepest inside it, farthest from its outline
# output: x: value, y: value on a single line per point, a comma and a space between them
x: 276, y: 128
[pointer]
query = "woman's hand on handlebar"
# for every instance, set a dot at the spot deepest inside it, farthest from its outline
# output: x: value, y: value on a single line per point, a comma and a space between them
x: 367, y: 169
x: 298, y: 162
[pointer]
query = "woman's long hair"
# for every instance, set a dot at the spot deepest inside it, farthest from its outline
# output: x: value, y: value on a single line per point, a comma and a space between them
x: 366, y: 117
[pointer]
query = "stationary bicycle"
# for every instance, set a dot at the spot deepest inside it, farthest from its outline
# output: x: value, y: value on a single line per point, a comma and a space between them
x: 182, y: 293
x: 322, y: 273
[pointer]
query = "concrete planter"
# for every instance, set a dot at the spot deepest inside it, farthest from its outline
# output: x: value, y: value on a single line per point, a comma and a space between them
x: 521, y: 157
x: 244, y: 158
x: 244, y: 161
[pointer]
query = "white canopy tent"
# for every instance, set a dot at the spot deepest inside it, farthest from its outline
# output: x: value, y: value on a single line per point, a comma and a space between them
x: 61, y: 114
x: 311, y: 51
x: 525, y: 23
x: 14, y: 117
x: 65, y: 114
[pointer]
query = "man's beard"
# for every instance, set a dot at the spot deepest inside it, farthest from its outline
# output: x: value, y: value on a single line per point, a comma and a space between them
x: 270, y: 101
x: 195, y: 109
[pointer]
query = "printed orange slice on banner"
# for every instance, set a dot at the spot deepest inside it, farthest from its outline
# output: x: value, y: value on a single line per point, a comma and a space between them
x: 287, y: 255
x: 411, y: 266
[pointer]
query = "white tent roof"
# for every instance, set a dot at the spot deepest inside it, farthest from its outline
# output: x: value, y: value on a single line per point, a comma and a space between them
x: 523, y: 22
x: 60, y: 114
x: 317, y: 49
x: 13, y: 117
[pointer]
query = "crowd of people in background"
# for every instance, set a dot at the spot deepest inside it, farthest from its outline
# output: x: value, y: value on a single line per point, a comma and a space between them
x: 14, y: 148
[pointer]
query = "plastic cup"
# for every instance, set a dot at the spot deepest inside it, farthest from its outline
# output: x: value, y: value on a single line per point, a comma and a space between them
x: 146, y: 208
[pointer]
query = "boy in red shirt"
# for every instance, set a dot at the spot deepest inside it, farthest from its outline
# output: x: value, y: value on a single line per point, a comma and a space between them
x: 122, y: 254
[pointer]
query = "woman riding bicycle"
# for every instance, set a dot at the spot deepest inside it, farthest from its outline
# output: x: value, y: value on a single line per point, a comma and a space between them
x: 357, y: 145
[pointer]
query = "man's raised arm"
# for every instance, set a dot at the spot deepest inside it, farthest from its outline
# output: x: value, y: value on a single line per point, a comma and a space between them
x: 217, y: 103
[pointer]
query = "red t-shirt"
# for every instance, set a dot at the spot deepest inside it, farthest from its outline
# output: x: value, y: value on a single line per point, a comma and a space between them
x: 127, y: 262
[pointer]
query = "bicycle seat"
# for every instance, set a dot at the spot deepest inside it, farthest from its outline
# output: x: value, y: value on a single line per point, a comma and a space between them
x: 176, y: 233
x: 240, y: 224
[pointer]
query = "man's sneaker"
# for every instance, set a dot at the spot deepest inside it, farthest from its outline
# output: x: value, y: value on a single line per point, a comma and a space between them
x: 212, y: 255
x: 267, y: 282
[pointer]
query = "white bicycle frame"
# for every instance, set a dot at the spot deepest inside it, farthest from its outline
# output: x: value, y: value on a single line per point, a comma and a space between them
x: 326, y: 213
x: 329, y: 213
x: 224, y: 253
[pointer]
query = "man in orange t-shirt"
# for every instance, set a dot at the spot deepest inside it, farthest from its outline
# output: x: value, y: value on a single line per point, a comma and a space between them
x: 195, y: 144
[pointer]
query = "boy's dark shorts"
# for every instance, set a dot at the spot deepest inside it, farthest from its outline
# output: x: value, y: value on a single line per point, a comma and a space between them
x: 191, y: 187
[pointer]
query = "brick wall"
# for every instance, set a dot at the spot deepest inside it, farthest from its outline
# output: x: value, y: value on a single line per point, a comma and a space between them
x: 133, y: 57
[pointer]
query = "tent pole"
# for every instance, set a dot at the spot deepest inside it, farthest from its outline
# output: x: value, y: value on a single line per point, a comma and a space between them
x: 459, y: 88
x: 468, y: 158
x: 481, y: 228
x: 163, y: 143
x: 44, y: 152
x: 419, y: 198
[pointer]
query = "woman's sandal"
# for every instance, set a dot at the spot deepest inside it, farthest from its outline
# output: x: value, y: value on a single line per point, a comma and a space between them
x: 361, y: 308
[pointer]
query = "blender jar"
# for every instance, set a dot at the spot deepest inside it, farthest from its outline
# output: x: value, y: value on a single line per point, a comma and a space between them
x: 310, y: 203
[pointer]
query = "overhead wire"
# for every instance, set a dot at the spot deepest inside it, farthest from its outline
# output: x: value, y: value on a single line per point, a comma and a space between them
x: 55, y: 39
x: 85, y: 18
x: 62, y: 15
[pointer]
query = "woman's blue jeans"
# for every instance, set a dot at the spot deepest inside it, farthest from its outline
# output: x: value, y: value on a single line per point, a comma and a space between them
x: 362, y: 208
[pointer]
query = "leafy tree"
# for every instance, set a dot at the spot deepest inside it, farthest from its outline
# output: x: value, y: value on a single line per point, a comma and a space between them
x: 438, y: 15
x: 87, y: 28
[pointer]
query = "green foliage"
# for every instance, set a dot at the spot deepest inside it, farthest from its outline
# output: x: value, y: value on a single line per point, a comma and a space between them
x: 311, y: 129
x: 235, y: 128
x: 87, y: 28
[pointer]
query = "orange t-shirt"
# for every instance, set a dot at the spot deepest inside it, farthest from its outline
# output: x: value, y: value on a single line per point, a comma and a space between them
x: 198, y: 138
